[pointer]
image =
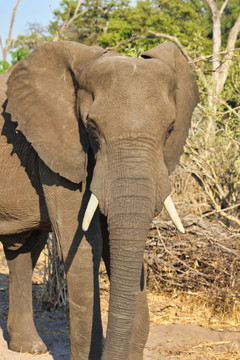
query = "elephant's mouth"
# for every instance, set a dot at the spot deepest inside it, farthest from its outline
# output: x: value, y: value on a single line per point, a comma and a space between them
x: 168, y: 203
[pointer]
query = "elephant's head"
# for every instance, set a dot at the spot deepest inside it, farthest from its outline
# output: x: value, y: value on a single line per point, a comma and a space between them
x: 135, y: 115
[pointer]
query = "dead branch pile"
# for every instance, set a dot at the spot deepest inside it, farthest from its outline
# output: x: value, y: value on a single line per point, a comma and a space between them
x: 204, y: 259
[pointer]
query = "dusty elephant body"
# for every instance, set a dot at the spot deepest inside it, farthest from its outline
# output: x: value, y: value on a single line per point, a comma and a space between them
x: 89, y: 121
x: 24, y: 227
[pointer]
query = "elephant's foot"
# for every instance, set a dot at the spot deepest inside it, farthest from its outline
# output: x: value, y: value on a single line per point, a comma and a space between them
x: 27, y: 342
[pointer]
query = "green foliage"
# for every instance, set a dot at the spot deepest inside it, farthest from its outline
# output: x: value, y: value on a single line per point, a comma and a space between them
x: 18, y: 55
x: 30, y: 42
x: 231, y: 90
x: 4, y: 66
x: 134, y: 50
x: 107, y: 23
x: 87, y: 27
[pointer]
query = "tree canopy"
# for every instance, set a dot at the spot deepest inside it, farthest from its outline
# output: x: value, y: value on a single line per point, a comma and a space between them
x: 110, y: 22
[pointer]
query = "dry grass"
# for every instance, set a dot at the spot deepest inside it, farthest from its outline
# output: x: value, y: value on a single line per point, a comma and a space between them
x: 203, y: 351
x: 192, y: 309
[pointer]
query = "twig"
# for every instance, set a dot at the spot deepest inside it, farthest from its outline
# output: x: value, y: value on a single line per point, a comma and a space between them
x: 225, y: 248
x: 67, y: 22
x: 210, y: 344
x: 221, y: 210
x: 174, y: 39
x: 203, y: 58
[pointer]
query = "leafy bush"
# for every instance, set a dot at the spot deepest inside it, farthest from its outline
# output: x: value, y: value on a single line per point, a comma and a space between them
x: 18, y: 55
x: 4, y: 66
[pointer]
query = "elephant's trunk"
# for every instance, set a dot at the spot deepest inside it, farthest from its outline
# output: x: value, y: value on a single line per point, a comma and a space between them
x: 130, y: 210
x: 128, y: 232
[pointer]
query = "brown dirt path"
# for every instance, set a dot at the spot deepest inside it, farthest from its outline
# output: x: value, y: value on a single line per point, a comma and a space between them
x: 173, y: 341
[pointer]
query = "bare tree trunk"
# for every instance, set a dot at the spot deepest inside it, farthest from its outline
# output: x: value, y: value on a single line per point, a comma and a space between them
x: 220, y: 70
x: 232, y: 38
x: 216, y: 14
x: 6, y: 49
x: 216, y: 64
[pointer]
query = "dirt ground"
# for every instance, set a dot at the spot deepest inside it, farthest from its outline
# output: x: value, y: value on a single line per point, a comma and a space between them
x: 176, y: 333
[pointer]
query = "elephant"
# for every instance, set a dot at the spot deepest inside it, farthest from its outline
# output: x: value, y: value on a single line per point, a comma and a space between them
x: 88, y: 140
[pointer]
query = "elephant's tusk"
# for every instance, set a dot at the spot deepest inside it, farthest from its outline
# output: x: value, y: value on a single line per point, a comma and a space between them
x: 170, y: 207
x: 90, y: 211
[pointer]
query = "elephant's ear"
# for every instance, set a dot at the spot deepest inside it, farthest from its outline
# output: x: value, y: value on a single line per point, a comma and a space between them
x: 186, y: 98
x: 42, y: 100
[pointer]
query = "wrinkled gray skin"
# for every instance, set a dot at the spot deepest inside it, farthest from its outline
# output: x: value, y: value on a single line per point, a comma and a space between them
x: 78, y: 120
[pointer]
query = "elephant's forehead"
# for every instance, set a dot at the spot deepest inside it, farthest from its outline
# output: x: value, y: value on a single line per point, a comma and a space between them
x: 131, y: 91
x: 125, y: 70
x: 122, y: 64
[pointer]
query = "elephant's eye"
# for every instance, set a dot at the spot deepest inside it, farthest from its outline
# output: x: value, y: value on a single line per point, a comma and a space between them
x: 93, y: 133
x: 170, y: 129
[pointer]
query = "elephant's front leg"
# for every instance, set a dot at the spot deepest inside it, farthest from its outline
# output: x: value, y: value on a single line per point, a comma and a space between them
x: 84, y: 302
x: 21, y: 328
x: 81, y: 253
